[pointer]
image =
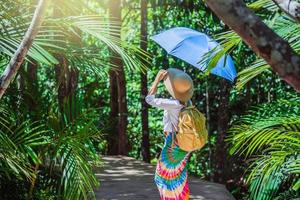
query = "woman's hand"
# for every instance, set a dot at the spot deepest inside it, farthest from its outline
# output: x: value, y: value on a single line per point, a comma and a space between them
x: 161, y: 75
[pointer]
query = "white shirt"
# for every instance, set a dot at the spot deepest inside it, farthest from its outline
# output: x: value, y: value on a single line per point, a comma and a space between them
x: 172, y: 108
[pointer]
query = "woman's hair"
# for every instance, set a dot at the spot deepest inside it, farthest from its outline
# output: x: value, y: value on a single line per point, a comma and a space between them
x: 188, y: 103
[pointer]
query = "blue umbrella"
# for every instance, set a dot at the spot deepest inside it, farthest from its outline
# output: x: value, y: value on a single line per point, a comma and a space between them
x: 190, y: 45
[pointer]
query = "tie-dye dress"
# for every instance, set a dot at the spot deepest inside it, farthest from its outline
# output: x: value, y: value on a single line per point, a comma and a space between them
x: 171, y: 171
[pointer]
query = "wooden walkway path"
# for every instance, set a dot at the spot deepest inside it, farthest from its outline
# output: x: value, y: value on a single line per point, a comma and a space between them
x: 124, y: 178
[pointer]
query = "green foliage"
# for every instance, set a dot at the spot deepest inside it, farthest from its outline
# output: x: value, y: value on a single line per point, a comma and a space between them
x: 48, y: 148
x: 12, y: 30
x: 60, y: 35
x: 73, y: 152
x: 61, y: 149
x: 18, y: 141
x: 269, y: 134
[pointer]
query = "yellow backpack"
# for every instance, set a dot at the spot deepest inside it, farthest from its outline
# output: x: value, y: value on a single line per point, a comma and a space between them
x: 192, y: 133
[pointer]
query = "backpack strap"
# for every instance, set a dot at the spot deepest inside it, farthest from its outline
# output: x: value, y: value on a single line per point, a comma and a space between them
x: 189, y: 104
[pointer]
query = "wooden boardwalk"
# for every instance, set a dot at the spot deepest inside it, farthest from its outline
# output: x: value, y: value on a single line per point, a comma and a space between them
x: 124, y: 178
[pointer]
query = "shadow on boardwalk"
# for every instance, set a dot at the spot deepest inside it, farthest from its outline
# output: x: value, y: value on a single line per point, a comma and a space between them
x: 125, y: 178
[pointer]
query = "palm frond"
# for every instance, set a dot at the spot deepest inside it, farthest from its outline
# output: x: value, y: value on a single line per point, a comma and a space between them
x: 11, y: 37
x: 246, y: 75
x: 17, y: 142
x: 74, y: 152
x: 263, y: 4
x: 270, y: 135
x: 107, y: 32
x: 78, y: 179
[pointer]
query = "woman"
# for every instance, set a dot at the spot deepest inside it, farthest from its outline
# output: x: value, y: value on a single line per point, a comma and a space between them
x: 171, y: 169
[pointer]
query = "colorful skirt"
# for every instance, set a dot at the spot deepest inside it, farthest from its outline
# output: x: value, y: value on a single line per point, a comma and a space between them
x: 171, y: 171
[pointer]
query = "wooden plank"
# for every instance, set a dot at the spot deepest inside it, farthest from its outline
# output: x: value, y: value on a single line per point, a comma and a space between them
x: 124, y: 178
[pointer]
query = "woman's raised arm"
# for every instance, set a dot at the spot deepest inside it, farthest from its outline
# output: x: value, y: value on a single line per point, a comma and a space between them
x: 159, y: 77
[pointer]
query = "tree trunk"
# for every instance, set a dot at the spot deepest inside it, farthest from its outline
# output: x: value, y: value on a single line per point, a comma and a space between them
x: 223, y: 119
x: 144, y: 111
x: 66, y: 76
x: 72, y: 87
x: 112, y: 137
x: 19, y: 56
x: 123, y: 112
x: 61, y: 73
x: 115, y: 14
x: 32, y: 93
x: 32, y: 73
x: 67, y: 82
x: 263, y: 40
x: 208, y: 121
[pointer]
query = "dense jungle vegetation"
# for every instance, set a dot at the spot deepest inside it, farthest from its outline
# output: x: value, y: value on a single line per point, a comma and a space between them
x: 80, y: 92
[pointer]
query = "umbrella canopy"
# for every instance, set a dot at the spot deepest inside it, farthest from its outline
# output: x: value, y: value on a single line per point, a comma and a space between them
x: 190, y: 45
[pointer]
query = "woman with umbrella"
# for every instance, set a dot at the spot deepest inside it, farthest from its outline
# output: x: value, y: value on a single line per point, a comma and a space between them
x: 190, y: 46
x: 171, y: 169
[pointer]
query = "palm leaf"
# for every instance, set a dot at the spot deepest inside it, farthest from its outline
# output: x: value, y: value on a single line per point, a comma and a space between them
x: 74, y: 152
x: 17, y: 142
x: 270, y: 135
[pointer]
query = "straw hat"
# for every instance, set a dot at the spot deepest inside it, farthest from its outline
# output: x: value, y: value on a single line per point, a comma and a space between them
x: 179, y: 84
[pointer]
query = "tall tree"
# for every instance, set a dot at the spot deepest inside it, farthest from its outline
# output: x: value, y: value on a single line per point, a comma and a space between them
x: 112, y: 137
x: 66, y: 75
x: 19, y: 56
x: 208, y: 121
x: 220, y: 163
x: 118, y: 81
x: 29, y: 89
x: 264, y: 41
x: 33, y: 85
x: 61, y: 74
x: 144, y: 110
